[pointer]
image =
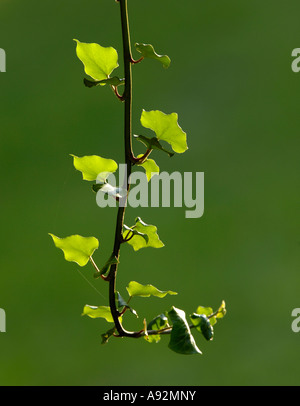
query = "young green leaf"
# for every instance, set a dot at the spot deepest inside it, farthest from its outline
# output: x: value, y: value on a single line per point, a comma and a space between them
x: 166, y: 128
x: 138, y: 241
x: 202, y: 324
x: 148, y: 51
x: 221, y: 310
x: 158, y: 323
x: 98, y: 312
x: 181, y: 340
x: 207, y: 311
x: 136, y: 289
x: 98, y: 61
x: 94, y: 167
x: 150, y: 166
x: 76, y: 248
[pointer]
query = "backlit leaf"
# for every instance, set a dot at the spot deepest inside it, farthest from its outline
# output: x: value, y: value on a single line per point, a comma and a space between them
x: 94, y: 167
x: 148, y: 51
x: 98, y: 61
x: 136, y: 289
x: 150, y: 166
x: 207, y: 311
x: 181, y: 340
x: 138, y: 241
x: 98, y: 312
x: 76, y: 248
x: 221, y: 311
x: 166, y: 128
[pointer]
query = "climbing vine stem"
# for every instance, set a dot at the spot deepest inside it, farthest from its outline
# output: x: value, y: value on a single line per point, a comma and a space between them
x: 99, y: 63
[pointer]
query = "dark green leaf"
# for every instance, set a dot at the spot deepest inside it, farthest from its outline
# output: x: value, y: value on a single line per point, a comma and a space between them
x: 153, y: 143
x: 181, y: 340
x: 202, y: 324
x: 106, y: 336
x: 106, y: 268
x: 158, y: 323
x: 114, y: 81
x: 122, y: 303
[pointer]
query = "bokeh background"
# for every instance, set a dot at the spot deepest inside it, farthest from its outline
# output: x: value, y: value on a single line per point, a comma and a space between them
x: 237, y: 98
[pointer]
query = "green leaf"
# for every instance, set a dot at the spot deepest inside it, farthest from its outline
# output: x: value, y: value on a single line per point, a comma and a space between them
x: 132, y: 232
x: 98, y: 61
x: 96, y: 312
x: 207, y: 311
x: 152, y: 143
x: 106, y: 336
x: 221, y: 311
x: 136, y: 289
x: 166, y: 128
x: 122, y: 303
x: 106, y: 268
x: 150, y: 166
x: 94, y: 167
x: 181, y: 340
x: 202, y: 324
x: 158, y: 323
x: 148, y: 51
x: 213, y: 316
x: 138, y: 241
x: 76, y: 248
x: 114, y: 81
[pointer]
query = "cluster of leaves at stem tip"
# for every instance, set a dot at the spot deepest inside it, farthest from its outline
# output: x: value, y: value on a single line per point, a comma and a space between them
x: 99, y: 63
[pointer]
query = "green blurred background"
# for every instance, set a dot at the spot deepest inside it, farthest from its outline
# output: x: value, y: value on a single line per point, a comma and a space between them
x: 237, y: 98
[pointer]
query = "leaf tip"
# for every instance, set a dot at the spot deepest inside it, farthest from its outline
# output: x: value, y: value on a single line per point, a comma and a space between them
x: 53, y: 236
